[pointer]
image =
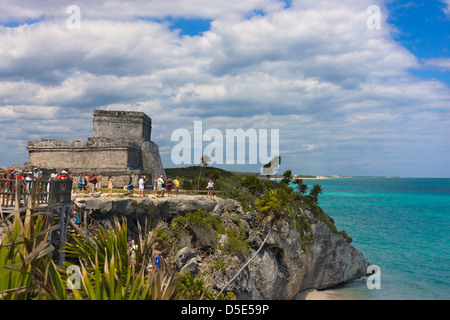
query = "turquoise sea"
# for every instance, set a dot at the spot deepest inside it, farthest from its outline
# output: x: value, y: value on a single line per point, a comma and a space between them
x: 401, y: 225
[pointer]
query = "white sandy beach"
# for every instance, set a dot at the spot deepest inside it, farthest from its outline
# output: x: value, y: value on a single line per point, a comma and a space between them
x: 327, y: 295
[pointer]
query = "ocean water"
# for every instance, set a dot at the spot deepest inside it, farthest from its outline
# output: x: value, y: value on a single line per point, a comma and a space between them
x: 401, y: 225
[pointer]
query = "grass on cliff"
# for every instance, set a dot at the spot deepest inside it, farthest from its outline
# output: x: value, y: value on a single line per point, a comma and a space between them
x: 248, y: 190
x: 206, y: 229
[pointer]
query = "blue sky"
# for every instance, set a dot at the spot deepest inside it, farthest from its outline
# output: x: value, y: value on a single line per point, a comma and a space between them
x: 347, y: 100
x: 424, y: 30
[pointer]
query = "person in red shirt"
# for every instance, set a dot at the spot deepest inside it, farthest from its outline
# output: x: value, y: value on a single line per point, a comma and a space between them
x: 92, y: 183
x: 63, y: 175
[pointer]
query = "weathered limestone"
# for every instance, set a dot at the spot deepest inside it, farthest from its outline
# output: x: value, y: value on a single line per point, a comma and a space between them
x: 121, y: 147
x: 286, y: 265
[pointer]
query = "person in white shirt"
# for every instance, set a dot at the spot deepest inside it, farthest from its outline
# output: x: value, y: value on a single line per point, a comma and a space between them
x: 160, y: 187
x: 142, y: 186
x: 210, y: 187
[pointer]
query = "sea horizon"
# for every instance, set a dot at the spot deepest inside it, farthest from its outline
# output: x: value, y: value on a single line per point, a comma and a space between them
x: 400, y: 225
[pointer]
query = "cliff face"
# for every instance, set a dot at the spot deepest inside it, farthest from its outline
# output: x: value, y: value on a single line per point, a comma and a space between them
x: 298, y: 254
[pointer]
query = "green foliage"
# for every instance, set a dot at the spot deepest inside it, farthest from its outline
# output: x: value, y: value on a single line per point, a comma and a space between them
x: 287, y: 177
x: 236, y: 244
x: 191, y: 287
x: 187, y: 184
x: 26, y: 268
x: 219, y: 264
x: 314, y: 193
x: 252, y: 184
x: 301, y: 188
x: 191, y: 172
x: 109, y: 272
x: 274, y: 204
x: 204, y: 219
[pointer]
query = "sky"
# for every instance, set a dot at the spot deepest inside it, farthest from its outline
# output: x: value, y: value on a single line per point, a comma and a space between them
x: 355, y: 87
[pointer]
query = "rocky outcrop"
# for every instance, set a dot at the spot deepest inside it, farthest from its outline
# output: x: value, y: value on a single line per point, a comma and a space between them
x: 294, y: 257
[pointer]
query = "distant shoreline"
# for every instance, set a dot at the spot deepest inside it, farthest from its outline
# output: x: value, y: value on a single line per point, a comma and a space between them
x: 343, y: 177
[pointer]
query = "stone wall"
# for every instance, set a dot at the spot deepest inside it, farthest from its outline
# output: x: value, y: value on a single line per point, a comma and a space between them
x: 121, y: 147
x: 130, y: 126
x: 83, y: 155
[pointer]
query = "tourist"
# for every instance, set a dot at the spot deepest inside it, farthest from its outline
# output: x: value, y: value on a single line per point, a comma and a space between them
x: 160, y: 186
x: 81, y: 183
x: 210, y: 187
x: 64, y: 175
x: 37, y: 175
x: 53, y: 177
x: 98, y: 185
x: 132, y: 248
x: 130, y: 187
x: 3, y: 182
x: 21, y: 183
x: 157, y: 257
x: 92, y: 183
x: 29, y: 179
x: 141, y: 182
x: 11, y: 183
x: 163, y: 187
x: 169, y: 185
x: 29, y: 184
x: 110, y: 185
x: 155, y: 185
x: 176, y: 184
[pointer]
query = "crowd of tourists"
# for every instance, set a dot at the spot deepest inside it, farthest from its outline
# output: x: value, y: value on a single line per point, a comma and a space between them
x: 12, y: 181
x: 93, y: 182
x: 160, y: 185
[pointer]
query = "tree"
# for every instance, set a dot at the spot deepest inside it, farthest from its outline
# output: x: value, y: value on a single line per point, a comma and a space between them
x: 287, y: 177
x: 300, y: 186
x: 314, y: 193
x: 253, y: 184
x: 204, y: 161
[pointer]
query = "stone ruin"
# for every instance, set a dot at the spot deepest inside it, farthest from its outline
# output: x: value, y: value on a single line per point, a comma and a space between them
x: 121, y: 147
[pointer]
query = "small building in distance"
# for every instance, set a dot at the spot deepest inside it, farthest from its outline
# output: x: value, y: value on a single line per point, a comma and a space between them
x: 121, y: 147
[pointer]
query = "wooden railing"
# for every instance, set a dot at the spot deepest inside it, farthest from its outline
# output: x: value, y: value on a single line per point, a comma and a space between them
x: 19, y: 192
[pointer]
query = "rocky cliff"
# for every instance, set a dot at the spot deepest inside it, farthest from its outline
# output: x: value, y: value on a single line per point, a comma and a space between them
x: 299, y: 253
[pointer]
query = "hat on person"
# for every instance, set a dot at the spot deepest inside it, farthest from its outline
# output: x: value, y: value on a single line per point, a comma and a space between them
x: 64, y: 172
x: 53, y: 175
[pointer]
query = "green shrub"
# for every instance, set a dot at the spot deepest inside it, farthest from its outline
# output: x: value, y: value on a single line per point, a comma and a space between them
x: 236, y: 244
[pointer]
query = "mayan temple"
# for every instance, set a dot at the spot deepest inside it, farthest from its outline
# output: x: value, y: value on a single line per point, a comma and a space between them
x: 121, y: 147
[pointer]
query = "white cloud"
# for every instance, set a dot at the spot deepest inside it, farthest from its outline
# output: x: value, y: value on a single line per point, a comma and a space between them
x: 22, y: 10
x: 447, y: 8
x: 442, y: 64
x: 337, y: 91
